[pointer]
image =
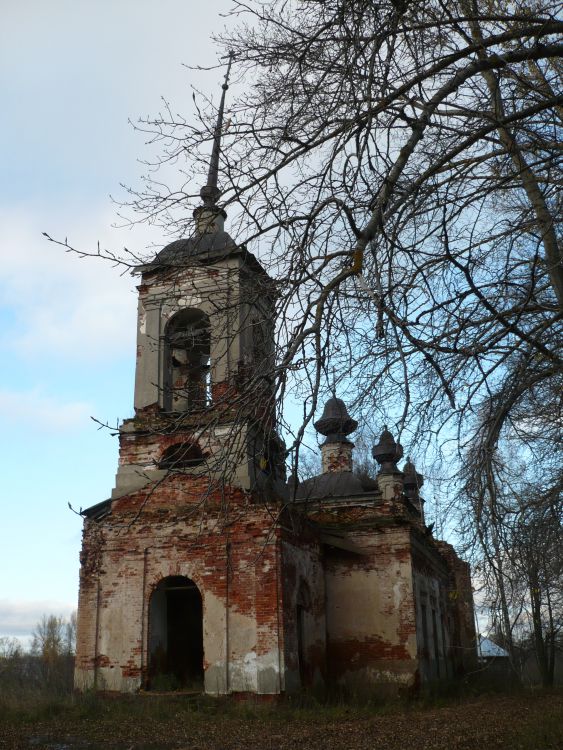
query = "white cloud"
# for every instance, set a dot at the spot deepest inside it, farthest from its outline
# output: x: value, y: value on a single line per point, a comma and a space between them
x: 41, y: 411
x: 19, y: 618
x: 63, y: 305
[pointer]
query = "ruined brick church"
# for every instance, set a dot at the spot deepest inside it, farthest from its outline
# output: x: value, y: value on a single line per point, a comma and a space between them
x: 206, y: 570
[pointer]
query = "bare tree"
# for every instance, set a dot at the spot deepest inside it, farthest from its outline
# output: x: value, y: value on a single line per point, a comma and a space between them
x: 54, y: 636
x: 516, y: 525
x: 53, y: 646
x: 399, y: 164
x: 10, y: 648
x: 70, y: 634
x: 48, y: 640
x: 395, y: 165
x: 537, y: 560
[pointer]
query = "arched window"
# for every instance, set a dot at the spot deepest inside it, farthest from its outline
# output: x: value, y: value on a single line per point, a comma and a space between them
x: 187, y: 366
x: 181, y: 456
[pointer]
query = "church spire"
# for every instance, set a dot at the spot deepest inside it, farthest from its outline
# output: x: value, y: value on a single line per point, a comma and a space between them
x: 210, y: 193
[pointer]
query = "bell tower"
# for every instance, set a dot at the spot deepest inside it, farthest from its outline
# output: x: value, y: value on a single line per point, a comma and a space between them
x: 205, y: 352
x: 180, y: 570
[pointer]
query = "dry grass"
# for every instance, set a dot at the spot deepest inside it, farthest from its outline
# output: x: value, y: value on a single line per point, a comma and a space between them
x: 145, y: 722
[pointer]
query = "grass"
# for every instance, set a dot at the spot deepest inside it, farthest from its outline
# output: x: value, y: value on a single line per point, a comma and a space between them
x: 29, y: 704
x: 524, y: 721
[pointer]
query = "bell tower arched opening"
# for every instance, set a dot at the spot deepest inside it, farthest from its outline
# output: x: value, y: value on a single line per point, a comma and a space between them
x: 187, y: 351
x: 175, y: 636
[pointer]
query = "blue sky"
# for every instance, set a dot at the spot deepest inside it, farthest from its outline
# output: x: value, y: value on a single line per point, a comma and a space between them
x: 72, y: 74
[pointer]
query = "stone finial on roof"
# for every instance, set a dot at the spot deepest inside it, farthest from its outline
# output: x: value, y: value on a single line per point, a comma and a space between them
x: 335, y: 423
x: 413, y: 480
x: 387, y: 452
x: 412, y: 483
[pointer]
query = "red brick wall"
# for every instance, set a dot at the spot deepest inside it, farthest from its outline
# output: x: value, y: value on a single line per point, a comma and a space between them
x: 184, y: 526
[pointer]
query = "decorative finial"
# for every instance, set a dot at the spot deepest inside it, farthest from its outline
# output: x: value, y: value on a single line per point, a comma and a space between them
x: 387, y: 452
x: 335, y: 423
x: 413, y: 479
x: 412, y: 483
x: 211, y: 193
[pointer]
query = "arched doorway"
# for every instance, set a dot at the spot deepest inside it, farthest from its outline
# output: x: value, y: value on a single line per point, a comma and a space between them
x: 176, y: 635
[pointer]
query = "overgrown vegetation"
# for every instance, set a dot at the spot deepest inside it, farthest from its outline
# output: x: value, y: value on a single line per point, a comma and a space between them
x: 38, y: 679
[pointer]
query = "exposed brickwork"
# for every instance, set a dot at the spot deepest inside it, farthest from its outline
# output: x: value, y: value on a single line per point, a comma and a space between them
x: 173, y: 532
x: 336, y: 457
x: 361, y: 605
x: 343, y: 589
x: 371, y: 619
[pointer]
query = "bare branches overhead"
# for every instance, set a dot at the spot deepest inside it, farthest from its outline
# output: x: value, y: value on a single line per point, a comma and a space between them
x: 397, y: 166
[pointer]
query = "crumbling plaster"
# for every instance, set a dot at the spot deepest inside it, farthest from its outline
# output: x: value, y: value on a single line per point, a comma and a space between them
x: 236, y: 575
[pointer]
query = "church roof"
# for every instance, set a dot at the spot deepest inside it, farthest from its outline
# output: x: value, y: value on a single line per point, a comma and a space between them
x: 208, y: 246
x: 98, y: 511
x: 330, y: 484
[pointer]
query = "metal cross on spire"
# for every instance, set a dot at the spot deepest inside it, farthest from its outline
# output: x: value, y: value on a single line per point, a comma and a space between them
x: 210, y: 193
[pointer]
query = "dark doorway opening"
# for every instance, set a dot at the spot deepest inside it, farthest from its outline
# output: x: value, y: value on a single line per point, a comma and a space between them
x: 176, y: 636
